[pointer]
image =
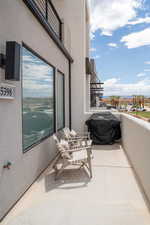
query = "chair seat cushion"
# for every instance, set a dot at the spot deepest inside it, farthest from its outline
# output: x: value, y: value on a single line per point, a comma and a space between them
x: 63, y: 146
x: 86, y: 143
x: 79, y: 155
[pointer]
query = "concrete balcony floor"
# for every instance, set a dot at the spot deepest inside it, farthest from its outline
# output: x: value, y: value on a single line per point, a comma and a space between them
x: 112, y: 197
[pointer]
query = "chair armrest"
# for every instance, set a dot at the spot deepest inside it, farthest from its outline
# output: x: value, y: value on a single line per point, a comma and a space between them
x: 70, y: 141
x: 78, y: 138
x: 80, y: 142
x: 75, y: 149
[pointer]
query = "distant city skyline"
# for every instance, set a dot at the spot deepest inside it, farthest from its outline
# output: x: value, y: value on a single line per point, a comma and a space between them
x: 120, y: 45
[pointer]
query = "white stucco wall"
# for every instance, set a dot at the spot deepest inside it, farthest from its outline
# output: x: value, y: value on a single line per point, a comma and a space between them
x: 18, y: 24
x: 136, y: 143
x: 88, y: 97
x: 75, y: 13
x: 78, y: 25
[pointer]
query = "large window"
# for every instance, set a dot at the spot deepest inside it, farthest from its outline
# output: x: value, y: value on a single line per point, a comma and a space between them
x: 38, y: 99
x: 60, y: 101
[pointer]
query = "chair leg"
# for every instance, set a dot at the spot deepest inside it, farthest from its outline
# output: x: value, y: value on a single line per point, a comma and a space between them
x: 58, y: 172
x: 89, y: 164
x: 55, y: 163
x: 82, y: 165
x: 90, y: 168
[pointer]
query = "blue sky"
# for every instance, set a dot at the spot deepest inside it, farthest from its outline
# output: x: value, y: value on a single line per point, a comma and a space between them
x: 120, y: 44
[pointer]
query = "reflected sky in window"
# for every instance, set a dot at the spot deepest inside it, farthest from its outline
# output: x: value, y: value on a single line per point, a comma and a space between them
x: 38, y: 99
x: 37, y: 76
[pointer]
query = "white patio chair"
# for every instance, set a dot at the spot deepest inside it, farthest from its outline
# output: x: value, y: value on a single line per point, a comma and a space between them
x: 71, y: 134
x: 75, y: 139
x: 71, y: 156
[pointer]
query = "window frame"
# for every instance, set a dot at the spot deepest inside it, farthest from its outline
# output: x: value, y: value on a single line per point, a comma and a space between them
x: 54, y: 97
x: 64, y: 111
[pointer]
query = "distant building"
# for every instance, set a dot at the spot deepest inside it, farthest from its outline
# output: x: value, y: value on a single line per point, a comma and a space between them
x: 96, y: 89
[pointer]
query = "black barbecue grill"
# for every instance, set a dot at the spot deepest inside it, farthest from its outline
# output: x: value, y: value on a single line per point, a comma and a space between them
x: 104, y: 128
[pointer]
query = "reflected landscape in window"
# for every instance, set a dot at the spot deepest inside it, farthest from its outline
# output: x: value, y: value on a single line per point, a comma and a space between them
x: 38, y: 98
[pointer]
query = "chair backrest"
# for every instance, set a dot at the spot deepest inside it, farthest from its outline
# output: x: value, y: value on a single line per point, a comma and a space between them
x: 66, y: 131
x: 73, y: 133
x: 55, y: 139
x: 62, y: 147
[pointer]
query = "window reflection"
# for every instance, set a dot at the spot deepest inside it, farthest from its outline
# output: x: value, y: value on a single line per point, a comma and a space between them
x: 38, y: 107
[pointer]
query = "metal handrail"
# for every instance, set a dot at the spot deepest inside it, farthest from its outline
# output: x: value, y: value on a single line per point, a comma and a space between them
x: 51, y: 16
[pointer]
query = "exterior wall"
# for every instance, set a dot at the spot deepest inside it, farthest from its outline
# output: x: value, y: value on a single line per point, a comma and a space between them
x: 87, y: 27
x: 136, y: 143
x: 63, y: 8
x: 88, y: 77
x: 75, y: 13
x: 18, y: 24
x: 88, y: 96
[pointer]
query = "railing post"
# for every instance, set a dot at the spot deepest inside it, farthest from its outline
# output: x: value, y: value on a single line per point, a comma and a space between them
x: 60, y: 30
x: 46, y: 9
x: 50, y: 14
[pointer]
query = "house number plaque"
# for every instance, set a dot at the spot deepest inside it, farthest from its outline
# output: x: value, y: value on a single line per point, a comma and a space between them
x: 7, y: 91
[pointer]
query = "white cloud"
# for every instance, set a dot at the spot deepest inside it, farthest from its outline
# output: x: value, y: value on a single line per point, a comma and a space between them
x: 140, y: 20
x: 27, y: 58
x: 37, y: 72
x: 92, y: 36
x: 114, y: 45
x: 147, y: 62
x: 137, y: 39
x: 96, y: 57
x: 115, y: 87
x: 109, y: 15
x: 141, y: 74
x: 93, y: 50
x: 147, y: 70
x: 37, y: 77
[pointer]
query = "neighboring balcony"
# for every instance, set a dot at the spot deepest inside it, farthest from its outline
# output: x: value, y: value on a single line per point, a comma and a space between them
x: 96, y: 93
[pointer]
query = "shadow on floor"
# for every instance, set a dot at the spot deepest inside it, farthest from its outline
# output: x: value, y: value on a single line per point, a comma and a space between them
x: 74, y: 177
x: 69, y: 179
x: 116, y: 146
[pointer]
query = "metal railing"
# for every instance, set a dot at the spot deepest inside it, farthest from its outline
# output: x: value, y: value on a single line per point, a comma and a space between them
x: 51, y: 16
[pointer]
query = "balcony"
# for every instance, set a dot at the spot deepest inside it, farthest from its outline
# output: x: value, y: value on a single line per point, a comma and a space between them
x: 118, y: 193
x: 46, y: 11
x: 96, y: 92
x: 48, y: 17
